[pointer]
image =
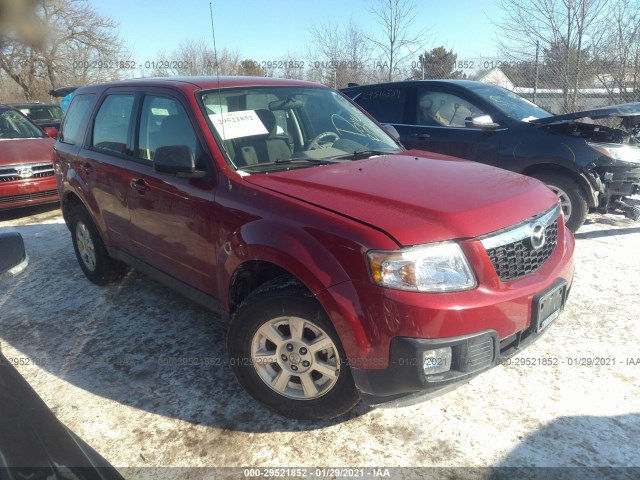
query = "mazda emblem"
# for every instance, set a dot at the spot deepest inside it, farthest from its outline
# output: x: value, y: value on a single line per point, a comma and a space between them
x: 538, y: 236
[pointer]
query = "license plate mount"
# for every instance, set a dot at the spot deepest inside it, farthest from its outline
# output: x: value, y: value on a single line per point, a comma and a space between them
x: 548, y: 305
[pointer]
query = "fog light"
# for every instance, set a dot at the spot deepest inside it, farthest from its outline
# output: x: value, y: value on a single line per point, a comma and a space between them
x: 436, y: 361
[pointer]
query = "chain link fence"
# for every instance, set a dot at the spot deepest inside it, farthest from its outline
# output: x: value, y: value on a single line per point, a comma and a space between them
x: 556, y: 87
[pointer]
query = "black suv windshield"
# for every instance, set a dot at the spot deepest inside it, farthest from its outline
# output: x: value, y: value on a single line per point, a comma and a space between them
x: 291, y: 127
x: 510, y: 103
x: 15, y: 125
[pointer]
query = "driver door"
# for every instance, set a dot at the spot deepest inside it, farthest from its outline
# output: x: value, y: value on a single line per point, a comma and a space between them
x: 435, y: 122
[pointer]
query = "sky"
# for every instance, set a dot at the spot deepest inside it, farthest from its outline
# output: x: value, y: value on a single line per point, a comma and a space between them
x: 265, y: 30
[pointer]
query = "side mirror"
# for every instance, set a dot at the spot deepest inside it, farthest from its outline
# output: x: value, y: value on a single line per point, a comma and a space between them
x: 51, y: 131
x: 176, y: 160
x: 13, y: 257
x: 391, y: 130
x: 483, y: 121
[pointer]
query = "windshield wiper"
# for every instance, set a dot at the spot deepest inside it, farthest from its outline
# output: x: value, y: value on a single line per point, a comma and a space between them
x: 289, y: 161
x: 357, y: 154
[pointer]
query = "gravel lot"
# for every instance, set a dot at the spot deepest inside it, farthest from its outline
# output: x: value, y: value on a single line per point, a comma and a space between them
x: 140, y: 373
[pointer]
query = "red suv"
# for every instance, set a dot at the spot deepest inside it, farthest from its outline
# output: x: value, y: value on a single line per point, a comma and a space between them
x: 351, y: 268
x: 26, y: 171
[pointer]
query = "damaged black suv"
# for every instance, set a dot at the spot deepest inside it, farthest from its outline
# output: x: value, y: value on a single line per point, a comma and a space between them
x: 591, y: 159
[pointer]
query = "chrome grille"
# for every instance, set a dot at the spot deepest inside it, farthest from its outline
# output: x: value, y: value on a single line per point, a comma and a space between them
x: 13, y: 173
x: 515, y: 252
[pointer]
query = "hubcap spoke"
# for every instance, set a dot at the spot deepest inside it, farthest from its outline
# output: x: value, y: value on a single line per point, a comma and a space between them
x: 325, y: 369
x: 265, y: 357
x: 296, y: 325
x: 281, y: 381
x: 321, y: 343
x: 310, y: 389
x: 272, y: 333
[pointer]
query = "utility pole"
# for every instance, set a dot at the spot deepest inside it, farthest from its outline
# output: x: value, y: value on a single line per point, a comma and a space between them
x: 535, y: 81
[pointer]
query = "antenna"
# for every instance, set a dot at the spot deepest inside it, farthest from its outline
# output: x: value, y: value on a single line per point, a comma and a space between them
x: 215, y: 49
x: 217, y: 66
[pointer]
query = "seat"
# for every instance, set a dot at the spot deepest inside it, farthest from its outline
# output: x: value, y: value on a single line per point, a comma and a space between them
x: 266, y: 147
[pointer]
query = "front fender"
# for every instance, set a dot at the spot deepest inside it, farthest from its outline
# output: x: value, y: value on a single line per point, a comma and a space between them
x: 295, y: 250
x: 310, y: 256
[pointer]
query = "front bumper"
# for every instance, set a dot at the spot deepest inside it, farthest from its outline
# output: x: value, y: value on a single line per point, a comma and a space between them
x: 28, y: 192
x: 471, y: 355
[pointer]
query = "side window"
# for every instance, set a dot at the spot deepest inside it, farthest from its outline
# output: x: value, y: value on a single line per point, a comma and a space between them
x: 111, y: 126
x: 163, y: 122
x: 385, y: 105
x: 444, y: 109
x: 75, y: 119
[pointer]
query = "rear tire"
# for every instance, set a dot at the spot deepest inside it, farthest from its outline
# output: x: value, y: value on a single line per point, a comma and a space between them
x: 286, y: 354
x: 572, y: 197
x: 91, y: 253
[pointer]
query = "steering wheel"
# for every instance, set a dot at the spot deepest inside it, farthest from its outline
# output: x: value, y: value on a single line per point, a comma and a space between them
x: 317, y: 142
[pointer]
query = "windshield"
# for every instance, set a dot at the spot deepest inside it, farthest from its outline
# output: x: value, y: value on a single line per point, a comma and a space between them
x: 14, y: 125
x: 42, y: 113
x: 510, y: 103
x: 267, y: 128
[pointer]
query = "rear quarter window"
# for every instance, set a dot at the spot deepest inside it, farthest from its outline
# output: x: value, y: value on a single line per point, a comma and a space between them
x: 76, y: 116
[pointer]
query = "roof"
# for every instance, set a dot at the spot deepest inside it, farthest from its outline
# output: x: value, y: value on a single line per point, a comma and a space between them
x: 461, y: 83
x: 204, y: 83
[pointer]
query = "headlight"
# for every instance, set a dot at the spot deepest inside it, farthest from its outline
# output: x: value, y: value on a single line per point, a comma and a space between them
x: 441, y: 267
x: 626, y: 153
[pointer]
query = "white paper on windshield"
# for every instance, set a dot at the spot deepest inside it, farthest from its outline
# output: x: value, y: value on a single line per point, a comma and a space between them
x: 231, y: 125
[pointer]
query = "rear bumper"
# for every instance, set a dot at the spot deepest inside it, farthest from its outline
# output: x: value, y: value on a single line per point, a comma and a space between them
x: 404, y: 380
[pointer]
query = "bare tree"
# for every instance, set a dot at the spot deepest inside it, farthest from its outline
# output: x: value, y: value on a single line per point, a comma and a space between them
x: 617, y: 51
x: 75, y: 45
x: 192, y: 58
x: 564, y: 26
x: 397, y: 43
x: 293, y: 66
x: 339, y: 55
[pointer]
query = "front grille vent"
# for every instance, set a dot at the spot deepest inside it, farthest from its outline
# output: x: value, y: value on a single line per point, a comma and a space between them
x: 521, y: 250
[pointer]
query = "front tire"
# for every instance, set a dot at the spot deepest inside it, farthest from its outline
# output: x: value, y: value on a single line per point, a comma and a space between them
x: 572, y: 197
x: 286, y: 354
x: 91, y: 253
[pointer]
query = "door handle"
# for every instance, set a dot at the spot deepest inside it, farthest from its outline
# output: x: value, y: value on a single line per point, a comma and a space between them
x: 86, y: 167
x: 421, y: 135
x: 140, y: 185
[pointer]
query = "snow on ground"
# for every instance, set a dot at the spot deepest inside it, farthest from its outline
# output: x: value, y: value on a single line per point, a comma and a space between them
x: 140, y: 373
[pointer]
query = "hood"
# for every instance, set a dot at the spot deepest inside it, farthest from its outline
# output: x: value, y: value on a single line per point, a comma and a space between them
x: 416, y: 197
x: 25, y: 150
x: 629, y: 110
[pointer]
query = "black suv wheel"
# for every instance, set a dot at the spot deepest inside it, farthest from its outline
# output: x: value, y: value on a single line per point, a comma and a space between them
x: 572, y: 198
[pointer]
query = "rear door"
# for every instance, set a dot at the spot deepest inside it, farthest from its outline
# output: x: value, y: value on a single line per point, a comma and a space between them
x: 88, y: 158
x: 102, y: 165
